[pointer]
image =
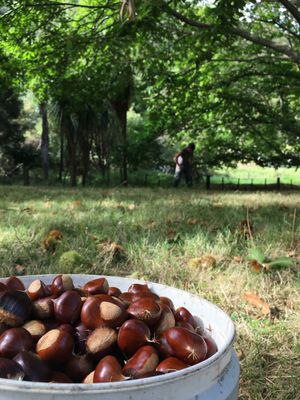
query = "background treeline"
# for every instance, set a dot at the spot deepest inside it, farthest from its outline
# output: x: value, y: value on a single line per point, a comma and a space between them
x: 116, y: 88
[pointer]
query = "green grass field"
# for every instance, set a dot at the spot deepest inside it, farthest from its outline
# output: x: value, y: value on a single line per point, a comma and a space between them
x: 154, y: 234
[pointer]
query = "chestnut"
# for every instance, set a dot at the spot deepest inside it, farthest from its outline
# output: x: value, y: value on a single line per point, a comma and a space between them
x: 212, y: 347
x: 168, y: 302
x: 3, y: 287
x: 144, y: 361
x: 186, y: 325
x: 166, y: 319
x: 61, y: 283
x: 43, y: 308
x: 59, y: 377
x: 14, y: 340
x: 34, y: 368
x: 132, y: 335
x: 138, y: 287
x: 112, y: 291
x: 185, y: 345
x: 37, y: 290
x: 9, y: 369
x: 14, y: 283
x: 96, y: 312
x: 96, y: 286
x: 126, y: 298
x: 78, y: 367
x: 182, y: 314
x: 108, y: 370
x: 36, y: 329
x: 67, y: 307
x: 3, y: 327
x: 89, y: 378
x: 101, y: 341
x: 15, y: 307
x: 55, y: 346
x: 171, y: 364
x: 145, y: 309
x: 66, y: 327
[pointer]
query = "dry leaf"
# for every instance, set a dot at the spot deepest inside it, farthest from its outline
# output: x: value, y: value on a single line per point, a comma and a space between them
x: 75, y: 204
x: 256, y: 266
x: 48, y: 204
x: 257, y: 302
x: 202, y: 262
x: 131, y: 207
x: 238, y: 259
x: 192, y: 221
x: 107, y: 246
x: 56, y: 234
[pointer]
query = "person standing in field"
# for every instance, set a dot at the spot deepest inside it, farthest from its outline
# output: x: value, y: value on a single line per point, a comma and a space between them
x: 183, y: 168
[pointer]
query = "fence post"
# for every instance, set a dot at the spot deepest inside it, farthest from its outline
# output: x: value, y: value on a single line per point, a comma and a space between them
x: 207, y: 182
x: 278, y: 183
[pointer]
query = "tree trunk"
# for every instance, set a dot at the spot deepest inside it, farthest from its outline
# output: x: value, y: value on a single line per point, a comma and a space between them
x: 61, y: 157
x: 45, y: 140
x: 26, y: 178
x: 121, y: 106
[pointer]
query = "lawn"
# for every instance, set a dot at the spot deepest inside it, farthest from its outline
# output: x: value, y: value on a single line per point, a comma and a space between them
x: 155, y: 234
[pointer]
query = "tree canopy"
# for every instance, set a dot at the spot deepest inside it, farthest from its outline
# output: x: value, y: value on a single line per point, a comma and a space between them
x: 224, y: 74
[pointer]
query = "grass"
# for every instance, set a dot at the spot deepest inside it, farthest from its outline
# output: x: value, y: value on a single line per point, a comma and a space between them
x: 159, y: 232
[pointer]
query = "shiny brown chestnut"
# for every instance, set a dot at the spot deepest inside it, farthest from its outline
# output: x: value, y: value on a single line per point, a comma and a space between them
x: 167, y: 301
x: 138, y: 287
x: 55, y: 346
x: 113, y: 291
x: 101, y: 341
x: 36, y: 329
x: 145, y: 309
x: 59, y: 377
x: 171, y: 364
x: 67, y: 328
x: 186, y: 325
x: 142, y: 295
x: 15, y: 307
x: 3, y: 287
x: 9, y: 369
x: 96, y: 286
x: 15, y: 340
x: 166, y: 320
x: 212, y: 347
x: 43, y: 308
x: 3, y: 327
x: 186, y: 345
x: 61, y: 283
x: 182, y: 314
x: 34, y: 368
x: 144, y: 361
x: 126, y: 298
x: 108, y: 370
x: 78, y: 367
x: 37, y: 290
x: 132, y: 335
x: 14, y: 283
x: 67, y: 307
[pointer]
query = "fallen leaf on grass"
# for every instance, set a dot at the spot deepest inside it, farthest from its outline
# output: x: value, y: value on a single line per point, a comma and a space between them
x: 51, y: 242
x: 112, y: 248
x: 192, y: 221
x: 256, y: 266
x: 257, y: 302
x: 202, y: 262
x: 238, y: 259
x: 75, y: 204
x: 132, y: 207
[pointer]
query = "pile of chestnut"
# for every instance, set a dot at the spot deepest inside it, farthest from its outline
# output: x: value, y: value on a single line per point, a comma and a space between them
x: 95, y: 333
